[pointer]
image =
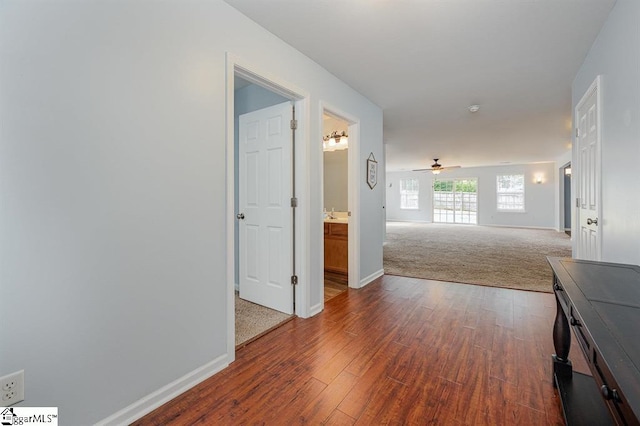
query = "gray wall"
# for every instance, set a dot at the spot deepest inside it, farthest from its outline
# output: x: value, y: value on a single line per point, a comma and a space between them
x: 336, y: 188
x: 540, y: 202
x: 616, y: 56
x: 113, y: 192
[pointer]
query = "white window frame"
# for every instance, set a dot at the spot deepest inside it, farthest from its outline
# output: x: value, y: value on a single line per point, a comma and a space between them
x: 510, y: 199
x: 404, y: 194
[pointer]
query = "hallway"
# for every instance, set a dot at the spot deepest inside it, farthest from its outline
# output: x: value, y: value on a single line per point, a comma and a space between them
x: 401, y: 350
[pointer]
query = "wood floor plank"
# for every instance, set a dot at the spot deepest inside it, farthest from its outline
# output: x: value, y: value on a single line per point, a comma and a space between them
x: 504, y: 361
x: 371, y: 353
x: 399, y: 351
x: 460, y: 349
x: 383, y: 399
x: 338, y: 418
x: 285, y: 407
x: 470, y: 404
x: 368, y: 384
x: 339, y: 362
x: 319, y: 409
x: 444, y: 396
x: 486, y: 329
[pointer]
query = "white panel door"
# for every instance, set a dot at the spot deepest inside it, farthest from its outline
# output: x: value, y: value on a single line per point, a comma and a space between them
x: 588, y: 208
x: 265, y: 214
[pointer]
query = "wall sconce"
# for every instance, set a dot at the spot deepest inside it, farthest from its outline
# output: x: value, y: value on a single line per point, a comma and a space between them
x: 335, y: 141
x: 538, y: 179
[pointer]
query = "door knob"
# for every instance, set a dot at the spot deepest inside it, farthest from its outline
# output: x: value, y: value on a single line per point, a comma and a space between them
x: 592, y: 221
x: 240, y: 216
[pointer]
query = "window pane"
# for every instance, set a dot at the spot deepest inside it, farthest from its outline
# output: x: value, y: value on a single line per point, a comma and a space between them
x: 409, y: 189
x: 510, y: 192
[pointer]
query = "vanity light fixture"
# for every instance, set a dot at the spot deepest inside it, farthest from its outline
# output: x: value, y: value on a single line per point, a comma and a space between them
x: 335, y: 141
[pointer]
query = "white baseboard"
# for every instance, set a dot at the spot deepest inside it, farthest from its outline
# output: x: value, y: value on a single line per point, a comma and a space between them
x: 546, y: 228
x: 478, y: 224
x: 165, y: 394
x: 315, y: 309
x: 370, y: 278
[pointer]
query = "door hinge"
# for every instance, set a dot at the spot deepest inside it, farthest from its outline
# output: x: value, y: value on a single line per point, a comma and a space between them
x: 577, y: 202
x: 294, y: 202
x: 294, y: 279
x: 577, y: 132
x: 294, y: 124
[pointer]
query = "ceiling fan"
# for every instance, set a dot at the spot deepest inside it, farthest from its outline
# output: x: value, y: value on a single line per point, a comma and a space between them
x: 436, y: 167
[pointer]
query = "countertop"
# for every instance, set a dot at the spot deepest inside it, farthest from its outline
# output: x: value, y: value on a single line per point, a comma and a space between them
x: 344, y: 220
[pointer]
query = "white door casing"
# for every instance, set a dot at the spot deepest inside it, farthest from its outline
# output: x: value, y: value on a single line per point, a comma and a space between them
x: 588, y: 211
x: 265, y: 213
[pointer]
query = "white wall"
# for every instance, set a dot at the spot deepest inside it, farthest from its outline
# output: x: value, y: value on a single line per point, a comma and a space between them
x: 540, y: 199
x: 112, y: 192
x: 616, y: 56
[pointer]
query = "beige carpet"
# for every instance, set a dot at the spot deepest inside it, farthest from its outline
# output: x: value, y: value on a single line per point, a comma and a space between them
x: 252, y: 321
x: 493, y: 256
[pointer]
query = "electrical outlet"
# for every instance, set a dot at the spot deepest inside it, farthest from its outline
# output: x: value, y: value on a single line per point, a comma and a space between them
x: 12, y: 388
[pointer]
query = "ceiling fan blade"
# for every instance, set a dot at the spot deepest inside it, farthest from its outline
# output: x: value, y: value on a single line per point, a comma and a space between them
x: 439, y: 168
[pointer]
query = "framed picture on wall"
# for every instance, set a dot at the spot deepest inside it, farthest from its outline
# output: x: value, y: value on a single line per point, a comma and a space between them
x: 372, y: 171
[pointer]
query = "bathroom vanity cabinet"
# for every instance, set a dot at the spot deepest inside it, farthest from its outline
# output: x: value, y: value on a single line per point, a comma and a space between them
x: 336, y: 247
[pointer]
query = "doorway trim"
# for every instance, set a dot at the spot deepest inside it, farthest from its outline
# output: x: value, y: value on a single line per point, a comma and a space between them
x: 562, y: 189
x: 353, y: 183
x: 261, y: 76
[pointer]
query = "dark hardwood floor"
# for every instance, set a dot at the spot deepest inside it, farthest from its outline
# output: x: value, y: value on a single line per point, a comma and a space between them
x: 399, y: 351
x: 334, y: 284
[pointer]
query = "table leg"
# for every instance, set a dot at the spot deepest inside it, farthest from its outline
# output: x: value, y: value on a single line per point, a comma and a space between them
x: 561, y: 343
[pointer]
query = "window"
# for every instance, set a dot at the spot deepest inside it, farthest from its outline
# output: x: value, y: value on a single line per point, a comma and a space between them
x: 409, y: 194
x: 455, y: 201
x: 510, y: 193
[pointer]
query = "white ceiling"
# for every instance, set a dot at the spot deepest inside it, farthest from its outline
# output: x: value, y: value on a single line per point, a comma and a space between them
x: 425, y: 61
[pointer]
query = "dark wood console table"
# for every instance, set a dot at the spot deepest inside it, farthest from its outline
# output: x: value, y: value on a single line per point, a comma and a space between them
x: 601, y: 303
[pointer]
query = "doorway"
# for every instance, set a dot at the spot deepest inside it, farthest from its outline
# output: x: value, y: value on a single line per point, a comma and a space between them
x: 565, y: 190
x: 455, y: 201
x: 262, y: 232
x: 265, y: 213
x: 336, y: 213
x: 308, y: 237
